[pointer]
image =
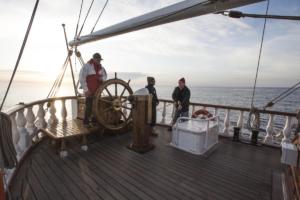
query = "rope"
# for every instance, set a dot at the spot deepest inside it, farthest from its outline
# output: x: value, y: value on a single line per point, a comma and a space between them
x: 282, y: 95
x: 88, y: 12
x: 70, y: 52
x: 99, y: 16
x: 77, y: 25
x: 254, y: 110
x: 238, y: 14
x: 259, y: 56
x: 21, y: 52
x: 58, y: 80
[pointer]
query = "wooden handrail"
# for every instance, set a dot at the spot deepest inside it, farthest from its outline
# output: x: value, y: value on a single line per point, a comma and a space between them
x: 20, y: 106
x: 236, y: 108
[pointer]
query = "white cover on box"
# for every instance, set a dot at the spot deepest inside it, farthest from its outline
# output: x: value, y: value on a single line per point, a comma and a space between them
x: 289, y: 154
x: 195, y: 135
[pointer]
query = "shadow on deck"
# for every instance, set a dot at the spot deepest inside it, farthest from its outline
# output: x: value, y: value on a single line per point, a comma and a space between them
x: 108, y: 170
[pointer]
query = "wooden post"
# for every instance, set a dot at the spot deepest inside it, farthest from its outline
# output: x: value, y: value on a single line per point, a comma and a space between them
x: 141, y: 114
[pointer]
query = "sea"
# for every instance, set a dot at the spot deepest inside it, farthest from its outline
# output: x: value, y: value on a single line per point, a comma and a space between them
x: 231, y: 96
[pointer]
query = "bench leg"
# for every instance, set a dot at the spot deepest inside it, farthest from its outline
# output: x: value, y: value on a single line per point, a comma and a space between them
x: 63, y: 153
x: 84, y: 146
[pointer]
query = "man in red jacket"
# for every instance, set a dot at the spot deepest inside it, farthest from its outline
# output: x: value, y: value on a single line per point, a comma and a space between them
x: 91, y: 77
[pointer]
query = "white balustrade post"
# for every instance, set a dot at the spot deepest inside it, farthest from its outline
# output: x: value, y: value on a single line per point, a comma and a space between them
x: 226, y: 124
x: 287, y: 129
x: 216, y: 112
x: 269, y: 130
x: 240, y: 122
x: 41, y: 122
x: 53, y: 119
x: 64, y: 113
x: 25, y: 140
x: 193, y: 109
x: 32, y: 129
x: 173, y: 113
x: 15, y: 132
x: 164, y: 112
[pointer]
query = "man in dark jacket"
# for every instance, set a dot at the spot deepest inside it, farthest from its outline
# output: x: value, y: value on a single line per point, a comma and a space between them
x: 181, y: 97
x: 155, y: 102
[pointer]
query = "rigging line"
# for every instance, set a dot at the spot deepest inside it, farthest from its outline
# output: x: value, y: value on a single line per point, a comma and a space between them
x: 58, y: 78
x: 88, y: 12
x: 259, y: 56
x: 166, y: 16
x: 21, y: 52
x: 238, y: 14
x: 286, y: 95
x: 70, y: 52
x: 59, y: 83
x: 77, y: 25
x: 285, y: 92
x: 99, y: 15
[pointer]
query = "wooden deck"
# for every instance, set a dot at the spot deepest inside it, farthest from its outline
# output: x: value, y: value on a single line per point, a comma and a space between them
x: 108, y: 170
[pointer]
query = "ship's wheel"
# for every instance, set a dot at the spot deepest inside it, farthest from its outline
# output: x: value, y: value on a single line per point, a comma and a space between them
x: 111, y: 106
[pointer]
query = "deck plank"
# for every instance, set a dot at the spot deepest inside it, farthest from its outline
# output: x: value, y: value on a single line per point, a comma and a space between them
x: 108, y: 170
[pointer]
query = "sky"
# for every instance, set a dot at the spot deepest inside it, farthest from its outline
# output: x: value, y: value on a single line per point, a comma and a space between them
x: 210, y: 50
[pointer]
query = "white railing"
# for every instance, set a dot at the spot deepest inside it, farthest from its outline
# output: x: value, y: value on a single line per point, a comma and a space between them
x: 28, y: 119
x: 237, y: 117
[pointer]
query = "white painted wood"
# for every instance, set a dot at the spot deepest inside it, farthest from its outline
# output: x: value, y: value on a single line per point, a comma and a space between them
x: 269, y: 130
x: 226, y: 123
x: 15, y: 132
x: 74, y: 104
x: 41, y: 122
x: 64, y: 113
x: 31, y: 128
x: 25, y: 139
x: 173, y: 112
x: 286, y: 130
x: 240, y: 122
x: 53, y: 119
x: 216, y: 112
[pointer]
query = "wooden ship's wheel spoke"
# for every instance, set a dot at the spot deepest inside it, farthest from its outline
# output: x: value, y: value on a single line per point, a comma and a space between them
x: 126, y: 107
x: 104, y: 100
x: 116, y: 90
x: 111, y: 108
x: 108, y: 92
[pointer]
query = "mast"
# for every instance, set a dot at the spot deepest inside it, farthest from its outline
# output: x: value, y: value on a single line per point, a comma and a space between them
x: 179, y: 11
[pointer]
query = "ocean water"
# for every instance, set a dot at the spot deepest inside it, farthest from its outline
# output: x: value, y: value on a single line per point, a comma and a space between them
x: 230, y: 96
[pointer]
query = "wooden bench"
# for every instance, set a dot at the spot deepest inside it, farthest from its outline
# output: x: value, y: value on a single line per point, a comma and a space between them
x: 61, y: 131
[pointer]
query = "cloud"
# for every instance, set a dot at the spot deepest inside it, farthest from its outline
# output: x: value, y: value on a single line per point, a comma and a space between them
x: 209, y: 50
